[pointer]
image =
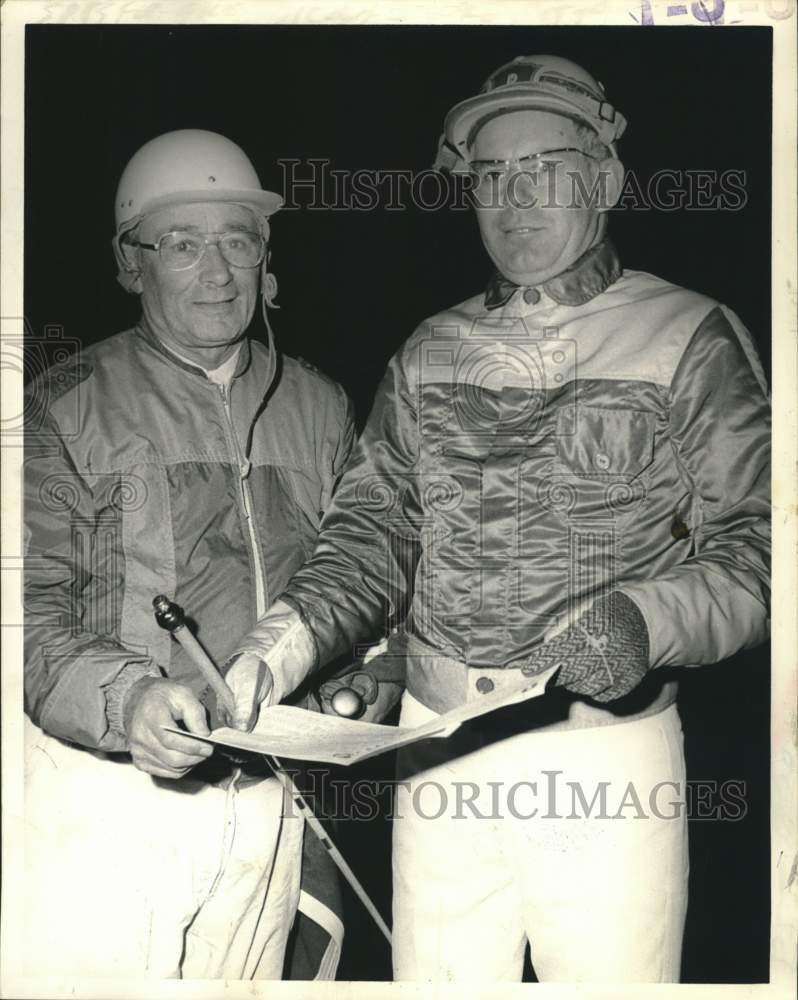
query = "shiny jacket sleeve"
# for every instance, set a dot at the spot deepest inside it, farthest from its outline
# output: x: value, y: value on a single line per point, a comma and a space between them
x: 716, y: 602
x: 71, y: 667
x: 358, y: 577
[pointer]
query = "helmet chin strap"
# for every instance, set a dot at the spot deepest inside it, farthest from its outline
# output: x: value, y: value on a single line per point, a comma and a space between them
x: 268, y: 291
x: 268, y: 283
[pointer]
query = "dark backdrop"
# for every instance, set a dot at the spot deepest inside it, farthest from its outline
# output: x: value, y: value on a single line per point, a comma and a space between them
x: 353, y: 285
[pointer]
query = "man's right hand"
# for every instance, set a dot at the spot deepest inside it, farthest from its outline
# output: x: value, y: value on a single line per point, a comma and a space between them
x: 152, y: 703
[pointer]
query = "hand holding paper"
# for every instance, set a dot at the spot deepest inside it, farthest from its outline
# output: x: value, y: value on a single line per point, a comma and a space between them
x: 268, y: 663
x: 285, y: 731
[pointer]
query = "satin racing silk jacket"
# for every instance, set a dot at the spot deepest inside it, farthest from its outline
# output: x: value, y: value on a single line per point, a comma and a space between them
x: 532, y: 450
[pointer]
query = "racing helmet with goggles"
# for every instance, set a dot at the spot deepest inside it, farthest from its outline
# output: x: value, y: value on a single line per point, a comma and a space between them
x: 531, y: 83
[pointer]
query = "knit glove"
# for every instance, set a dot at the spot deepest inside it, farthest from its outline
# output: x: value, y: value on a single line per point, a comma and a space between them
x: 603, y: 655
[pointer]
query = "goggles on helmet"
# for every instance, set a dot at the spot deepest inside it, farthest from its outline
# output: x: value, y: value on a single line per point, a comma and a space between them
x: 533, y: 166
x: 529, y: 83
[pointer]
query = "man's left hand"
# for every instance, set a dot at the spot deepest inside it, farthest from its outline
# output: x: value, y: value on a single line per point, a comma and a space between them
x: 603, y: 655
x: 270, y: 662
x: 251, y: 682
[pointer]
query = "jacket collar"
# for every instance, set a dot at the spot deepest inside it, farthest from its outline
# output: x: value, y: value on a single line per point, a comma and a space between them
x: 587, y: 277
x: 244, y: 355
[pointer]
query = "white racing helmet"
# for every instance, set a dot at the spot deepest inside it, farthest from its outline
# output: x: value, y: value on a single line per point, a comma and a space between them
x: 185, y: 167
x: 530, y: 83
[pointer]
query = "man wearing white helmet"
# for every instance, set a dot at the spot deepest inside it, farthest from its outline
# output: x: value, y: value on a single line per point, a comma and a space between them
x: 580, y: 456
x: 180, y: 457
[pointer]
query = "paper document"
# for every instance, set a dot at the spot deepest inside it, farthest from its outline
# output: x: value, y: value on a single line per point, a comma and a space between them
x: 285, y: 731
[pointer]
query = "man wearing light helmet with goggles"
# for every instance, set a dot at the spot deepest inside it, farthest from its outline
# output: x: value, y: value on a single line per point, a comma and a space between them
x: 579, y: 455
x: 180, y: 457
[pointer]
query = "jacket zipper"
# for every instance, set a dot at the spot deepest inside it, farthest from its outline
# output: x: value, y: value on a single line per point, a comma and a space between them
x: 244, y: 467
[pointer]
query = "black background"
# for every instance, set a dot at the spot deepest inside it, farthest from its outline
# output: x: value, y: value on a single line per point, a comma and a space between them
x: 353, y: 285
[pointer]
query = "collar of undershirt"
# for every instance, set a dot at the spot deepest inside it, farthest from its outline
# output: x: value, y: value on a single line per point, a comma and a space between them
x: 221, y: 375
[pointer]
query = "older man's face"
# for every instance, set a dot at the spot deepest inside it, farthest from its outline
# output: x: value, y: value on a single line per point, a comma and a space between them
x: 200, y: 312
x: 534, y: 231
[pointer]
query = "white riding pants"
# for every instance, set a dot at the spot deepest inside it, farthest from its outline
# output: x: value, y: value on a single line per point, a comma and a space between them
x: 516, y: 842
x: 127, y: 876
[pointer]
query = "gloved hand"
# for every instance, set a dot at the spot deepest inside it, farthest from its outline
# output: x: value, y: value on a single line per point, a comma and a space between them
x: 379, y: 679
x: 272, y: 660
x: 603, y: 655
x: 358, y: 680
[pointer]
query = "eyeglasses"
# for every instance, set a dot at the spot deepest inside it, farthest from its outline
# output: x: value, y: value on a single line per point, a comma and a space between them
x: 179, y: 251
x: 530, y: 167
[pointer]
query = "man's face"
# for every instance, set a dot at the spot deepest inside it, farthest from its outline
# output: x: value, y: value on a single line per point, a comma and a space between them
x: 200, y: 312
x: 533, y: 234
